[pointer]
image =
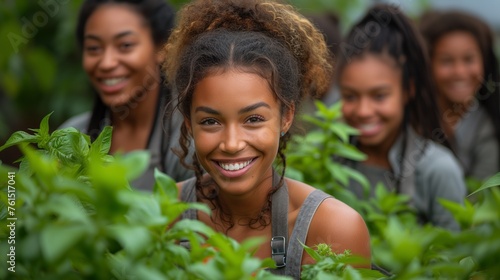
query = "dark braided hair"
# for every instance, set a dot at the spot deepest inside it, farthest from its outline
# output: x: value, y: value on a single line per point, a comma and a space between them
x: 386, y: 31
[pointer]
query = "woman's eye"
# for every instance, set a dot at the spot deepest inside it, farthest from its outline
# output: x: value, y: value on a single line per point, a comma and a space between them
x: 255, y: 119
x: 208, y: 122
x: 92, y: 49
x: 380, y: 96
x: 126, y: 46
x: 446, y: 61
x: 348, y: 97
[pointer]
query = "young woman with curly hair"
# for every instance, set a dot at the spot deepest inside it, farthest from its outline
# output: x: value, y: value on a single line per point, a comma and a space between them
x: 241, y: 69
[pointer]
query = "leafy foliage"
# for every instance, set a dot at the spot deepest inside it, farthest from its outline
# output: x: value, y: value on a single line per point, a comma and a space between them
x: 78, y: 218
x: 400, y: 246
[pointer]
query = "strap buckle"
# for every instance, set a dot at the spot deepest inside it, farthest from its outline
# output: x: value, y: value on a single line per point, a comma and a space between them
x: 278, y: 251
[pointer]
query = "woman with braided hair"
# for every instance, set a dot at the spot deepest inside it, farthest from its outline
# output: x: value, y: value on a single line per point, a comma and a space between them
x: 388, y: 95
x: 240, y: 69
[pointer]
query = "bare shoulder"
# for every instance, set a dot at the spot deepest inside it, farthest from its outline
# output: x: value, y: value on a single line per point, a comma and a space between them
x: 336, y: 224
x: 343, y: 228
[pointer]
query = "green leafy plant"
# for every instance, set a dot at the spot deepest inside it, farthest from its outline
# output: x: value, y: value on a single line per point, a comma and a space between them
x: 330, y: 265
x: 76, y: 217
x: 401, y: 247
x: 68, y: 212
x: 310, y: 158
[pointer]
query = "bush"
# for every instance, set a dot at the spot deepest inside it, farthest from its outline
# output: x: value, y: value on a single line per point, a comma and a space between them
x: 400, y: 245
x: 69, y: 213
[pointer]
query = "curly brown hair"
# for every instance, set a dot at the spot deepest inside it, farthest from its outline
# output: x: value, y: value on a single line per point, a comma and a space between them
x: 262, y: 37
x: 275, y: 19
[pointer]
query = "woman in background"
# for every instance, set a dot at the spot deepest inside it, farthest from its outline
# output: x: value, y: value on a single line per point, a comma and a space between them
x: 465, y: 71
x: 387, y: 95
x: 120, y: 42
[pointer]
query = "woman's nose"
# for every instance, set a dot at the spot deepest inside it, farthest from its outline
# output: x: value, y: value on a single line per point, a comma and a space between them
x: 233, y: 141
x: 364, y: 108
x: 109, y: 59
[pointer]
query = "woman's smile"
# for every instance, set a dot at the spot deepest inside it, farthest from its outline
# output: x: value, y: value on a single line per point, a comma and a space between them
x: 236, y: 124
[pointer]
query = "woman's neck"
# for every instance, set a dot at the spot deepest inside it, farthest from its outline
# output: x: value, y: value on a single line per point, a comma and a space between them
x: 451, y: 113
x: 139, y: 111
x: 133, y: 123
x: 379, y: 155
x: 249, y: 206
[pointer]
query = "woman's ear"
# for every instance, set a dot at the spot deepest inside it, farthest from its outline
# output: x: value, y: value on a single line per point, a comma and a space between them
x: 287, y: 119
x: 160, y: 56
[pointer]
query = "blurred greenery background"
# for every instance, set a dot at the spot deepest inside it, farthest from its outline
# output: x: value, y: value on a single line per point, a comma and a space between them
x: 40, y: 64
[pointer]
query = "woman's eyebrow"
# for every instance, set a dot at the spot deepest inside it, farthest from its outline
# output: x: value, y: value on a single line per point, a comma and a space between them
x: 241, y: 111
x: 117, y: 36
x: 253, y: 107
x: 206, y: 110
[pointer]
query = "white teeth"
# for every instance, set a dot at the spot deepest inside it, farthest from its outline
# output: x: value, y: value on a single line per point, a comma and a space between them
x: 113, y: 81
x: 234, y: 166
x: 367, y: 126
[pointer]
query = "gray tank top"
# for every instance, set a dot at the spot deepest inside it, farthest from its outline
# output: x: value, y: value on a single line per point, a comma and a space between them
x: 287, y: 254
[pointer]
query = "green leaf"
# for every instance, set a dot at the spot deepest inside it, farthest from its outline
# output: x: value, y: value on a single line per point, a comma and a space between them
x: 68, y: 146
x: 313, y: 120
x: 311, y: 252
x: 100, y: 175
x: 343, y: 130
x: 338, y: 173
x: 150, y: 273
x: 358, y: 176
x: 165, y: 185
x: 102, y: 143
x: 491, y: 182
x: 19, y: 137
x: 464, y: 214
x: 44, y: 127
x: 315, y: 137
x: 45, y: 167
x: 468, y: 263
x: 59, y: 239
x: 488, y: 211
x: 134, y: 239
x: 193, y: 226
x: 67, y: 209
x: 135, y: 162
x: 349, y: 152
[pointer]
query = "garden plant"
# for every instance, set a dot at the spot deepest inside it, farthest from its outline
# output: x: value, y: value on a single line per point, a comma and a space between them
x: 68, y: 212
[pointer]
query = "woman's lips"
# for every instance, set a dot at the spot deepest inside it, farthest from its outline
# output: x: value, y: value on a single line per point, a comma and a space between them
x: 112, y: 85
x: 235, y: 168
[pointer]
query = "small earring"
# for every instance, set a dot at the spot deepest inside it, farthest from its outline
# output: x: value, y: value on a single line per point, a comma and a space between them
x: 282, y: 133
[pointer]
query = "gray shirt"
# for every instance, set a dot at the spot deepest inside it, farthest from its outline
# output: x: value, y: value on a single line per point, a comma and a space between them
x: 476, y: 144
x: 164, y: 131
x: 429, y: 172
